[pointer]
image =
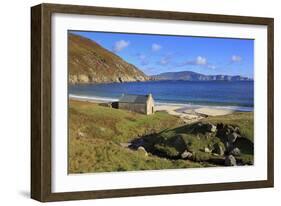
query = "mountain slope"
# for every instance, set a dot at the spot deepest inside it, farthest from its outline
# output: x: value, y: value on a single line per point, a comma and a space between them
x: 91, y: 63
x: 193, y: 76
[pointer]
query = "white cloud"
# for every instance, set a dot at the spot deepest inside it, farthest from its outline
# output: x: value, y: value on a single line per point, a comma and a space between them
x: 201, y: 60
x: 120, y: 45
x: 236, y: 58
x: 156, y: 47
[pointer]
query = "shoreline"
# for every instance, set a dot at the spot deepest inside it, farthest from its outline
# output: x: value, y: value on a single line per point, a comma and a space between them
x: 188, y: 113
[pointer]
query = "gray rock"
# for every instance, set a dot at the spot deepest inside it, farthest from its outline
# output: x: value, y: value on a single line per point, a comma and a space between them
x: 237, y: 130
x: 219, y: 149
x: 135, y: 144
x: 230, y: 161
x: 228, y: 146
x: 235, y: 152
x: 204, y: 128
x: 232, y: 137
x: 186, y: 155
x: 231, y: 128
x: 211, y: 128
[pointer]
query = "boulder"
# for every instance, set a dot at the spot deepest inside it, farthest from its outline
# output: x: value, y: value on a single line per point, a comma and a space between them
x: 176, y: 142
x: 237, y: 130
x: 142, y: 149
x: 186, y: 155
x: 211, y: 128
x: 136, y: 143
x: 207, y: 150
x: 220, y: 126
x: 232, y: 137
x: 228, y: 146
x: 245, y: 145
x: 219, y: 149
x: 204, y: 128
x: 235, y: 152
x: 227, y: 132
x: 222, y: 131
x: 230, y: 161
x: 230, y: 128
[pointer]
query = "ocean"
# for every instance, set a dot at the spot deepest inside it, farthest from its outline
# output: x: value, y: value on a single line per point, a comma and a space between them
x: 236, y: 95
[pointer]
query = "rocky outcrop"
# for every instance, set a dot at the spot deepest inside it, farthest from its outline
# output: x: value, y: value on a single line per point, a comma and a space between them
x: 220, y: 144
x: 91, y: 63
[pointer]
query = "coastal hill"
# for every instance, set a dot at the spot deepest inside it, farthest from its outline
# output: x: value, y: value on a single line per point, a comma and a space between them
x: 91, y: 63
x: 193, y: 76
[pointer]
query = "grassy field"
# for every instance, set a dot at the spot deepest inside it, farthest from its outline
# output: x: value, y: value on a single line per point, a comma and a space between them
x: 97, y: 133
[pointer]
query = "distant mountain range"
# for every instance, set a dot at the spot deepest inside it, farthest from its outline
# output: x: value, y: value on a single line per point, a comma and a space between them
x: 193, y: 76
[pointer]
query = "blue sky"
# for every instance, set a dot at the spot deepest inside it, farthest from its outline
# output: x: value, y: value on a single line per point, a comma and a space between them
x: 154, y: 54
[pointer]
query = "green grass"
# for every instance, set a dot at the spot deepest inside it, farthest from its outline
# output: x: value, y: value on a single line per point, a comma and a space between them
x: 96, y: 155
x: 96, y: 134
x: 114, y: 124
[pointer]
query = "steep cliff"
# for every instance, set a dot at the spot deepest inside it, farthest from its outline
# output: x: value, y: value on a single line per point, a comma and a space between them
x: 91, y: 63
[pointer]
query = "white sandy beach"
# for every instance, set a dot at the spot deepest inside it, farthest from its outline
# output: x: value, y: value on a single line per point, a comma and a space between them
x: 213, y: 111
x: 190, y: 115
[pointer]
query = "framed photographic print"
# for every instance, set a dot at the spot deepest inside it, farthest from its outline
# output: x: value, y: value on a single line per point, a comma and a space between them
x: 132, y: 102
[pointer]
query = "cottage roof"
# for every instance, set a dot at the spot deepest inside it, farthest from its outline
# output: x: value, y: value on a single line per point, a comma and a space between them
x: 131, y: 98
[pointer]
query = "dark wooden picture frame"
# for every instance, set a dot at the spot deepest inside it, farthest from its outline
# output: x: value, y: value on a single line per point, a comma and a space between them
x: 41, y: 101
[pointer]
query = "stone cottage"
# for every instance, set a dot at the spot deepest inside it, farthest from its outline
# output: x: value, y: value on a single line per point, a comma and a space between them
x: 143, y: 104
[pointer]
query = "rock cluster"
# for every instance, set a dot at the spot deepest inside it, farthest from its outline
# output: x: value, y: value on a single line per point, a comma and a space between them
x: 229, y: 135
x: 200, y: 142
